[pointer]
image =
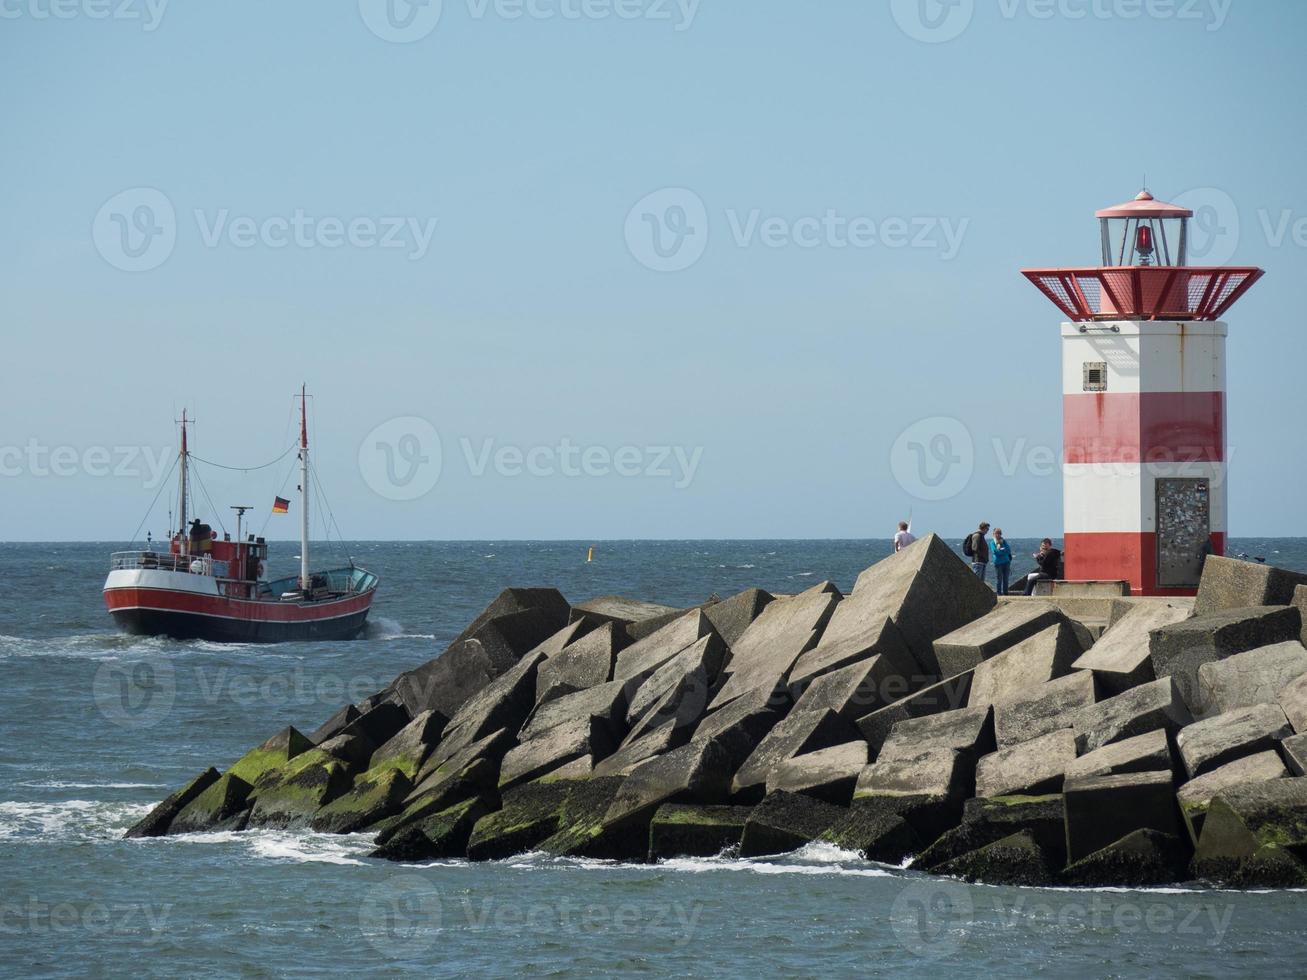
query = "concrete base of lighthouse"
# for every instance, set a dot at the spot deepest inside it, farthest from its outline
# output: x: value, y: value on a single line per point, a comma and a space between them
x: 1144, y: 457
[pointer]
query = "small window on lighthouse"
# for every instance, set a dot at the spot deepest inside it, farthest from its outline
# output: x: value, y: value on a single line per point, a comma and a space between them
x: 1095, y: 376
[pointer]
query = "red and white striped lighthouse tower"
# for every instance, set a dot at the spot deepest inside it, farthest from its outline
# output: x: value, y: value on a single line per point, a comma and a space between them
x: 1143, y: 402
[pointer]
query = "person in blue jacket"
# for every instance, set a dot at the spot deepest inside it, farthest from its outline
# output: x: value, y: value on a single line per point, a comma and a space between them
x: 1002, y: 557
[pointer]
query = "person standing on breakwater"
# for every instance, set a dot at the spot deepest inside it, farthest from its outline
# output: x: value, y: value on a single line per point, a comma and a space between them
x: 977, y: 549
x: 1002, y: 561
x: 903, y: 537
x: 1049, y: 560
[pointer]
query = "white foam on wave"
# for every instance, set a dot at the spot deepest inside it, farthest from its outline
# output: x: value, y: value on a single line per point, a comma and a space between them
x: 65, y: 819
x: 813, y: 859
x: 385, y: 628
x: 309, y: 848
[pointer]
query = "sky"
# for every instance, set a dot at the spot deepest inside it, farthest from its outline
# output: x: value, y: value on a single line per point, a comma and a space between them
x: 594, y: 269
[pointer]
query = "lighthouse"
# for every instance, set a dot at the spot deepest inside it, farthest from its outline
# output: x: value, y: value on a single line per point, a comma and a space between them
x: 1143, y: 401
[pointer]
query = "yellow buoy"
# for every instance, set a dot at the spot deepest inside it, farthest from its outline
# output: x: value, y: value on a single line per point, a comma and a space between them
x: 590, y: 555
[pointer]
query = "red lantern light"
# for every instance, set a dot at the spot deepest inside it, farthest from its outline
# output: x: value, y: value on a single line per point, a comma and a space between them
x: 1144, y: 241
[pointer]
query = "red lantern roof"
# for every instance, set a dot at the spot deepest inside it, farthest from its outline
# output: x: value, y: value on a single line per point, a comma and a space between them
x: 1145, y: 206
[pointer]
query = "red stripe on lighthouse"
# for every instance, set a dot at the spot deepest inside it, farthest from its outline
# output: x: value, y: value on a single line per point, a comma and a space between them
x: 1148, y: 427
x: 1110, y: 556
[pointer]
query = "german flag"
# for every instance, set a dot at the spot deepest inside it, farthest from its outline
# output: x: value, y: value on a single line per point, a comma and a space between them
x: 280, y: 505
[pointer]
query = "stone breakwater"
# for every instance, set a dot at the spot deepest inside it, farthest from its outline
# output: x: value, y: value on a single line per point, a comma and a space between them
x: 1072, y: 741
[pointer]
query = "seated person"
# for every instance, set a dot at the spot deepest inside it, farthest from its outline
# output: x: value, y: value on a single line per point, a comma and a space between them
x: 1049, y: 561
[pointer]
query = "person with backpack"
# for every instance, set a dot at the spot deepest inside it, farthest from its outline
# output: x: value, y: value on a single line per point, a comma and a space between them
x: 1002, y: 561
x: 977, y: 549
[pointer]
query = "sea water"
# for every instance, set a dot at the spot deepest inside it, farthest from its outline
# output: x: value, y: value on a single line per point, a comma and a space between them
x: 86, y: 750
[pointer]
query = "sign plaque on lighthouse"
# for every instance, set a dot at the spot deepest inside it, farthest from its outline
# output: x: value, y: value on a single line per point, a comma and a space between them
x: 1143, y: 402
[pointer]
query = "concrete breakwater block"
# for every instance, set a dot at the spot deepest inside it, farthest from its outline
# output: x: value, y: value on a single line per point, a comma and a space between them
x: 1211, y: 743
x: 701, y: 660
x: 1196, y: 795
x: 901, y: 675
x: 1120, y: 659
x: 1030, y: 768
x: 1179, y: 650
x: 1019, y: 859
x: 946, y: 695
x: 646, y: 655
x: 1144, y: 858
x: 503, y: 704
x: 1101, y: 810
x: 767, y: 650
x: 1243, y: 819
x: 1292, y: 699
x: 580, y: 663
x: 1249, y: 678
x: 999, y: 629
x: 1044, y: 709
x: 1043, y: 656
x: 1228, y: 583
x: 1155, y: 705
x: 985, y: 821
x: 827, y: 774
x: 685, y: 830
x: 731, y: 617
x: 927, y: 790
x: 968, y: 730
x: 1149, y: 752
x: 926, y: 589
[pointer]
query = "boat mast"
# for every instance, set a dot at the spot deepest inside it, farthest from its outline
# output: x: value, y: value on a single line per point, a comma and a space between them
x: 185, y: 542
x: 304, y: 492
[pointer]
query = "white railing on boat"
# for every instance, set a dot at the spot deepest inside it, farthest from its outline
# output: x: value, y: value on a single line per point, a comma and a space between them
x: 164, y: 562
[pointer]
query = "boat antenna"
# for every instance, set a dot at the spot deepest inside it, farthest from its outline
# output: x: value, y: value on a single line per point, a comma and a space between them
x: 240, y: 510
x: 304, y: 491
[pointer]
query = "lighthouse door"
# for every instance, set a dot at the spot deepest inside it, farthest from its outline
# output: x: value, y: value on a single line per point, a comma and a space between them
x: 1183, y: 531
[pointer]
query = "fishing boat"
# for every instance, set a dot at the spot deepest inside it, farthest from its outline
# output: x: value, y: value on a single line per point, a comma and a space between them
x: 210, y: 588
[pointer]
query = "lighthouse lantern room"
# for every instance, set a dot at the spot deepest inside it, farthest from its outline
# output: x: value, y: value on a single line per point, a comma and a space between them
x: 1143, y: 401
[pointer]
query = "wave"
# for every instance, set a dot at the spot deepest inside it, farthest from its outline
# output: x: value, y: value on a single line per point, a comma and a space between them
x: 384, y: 628
x: 310, y: 848
x: 68, y: 819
